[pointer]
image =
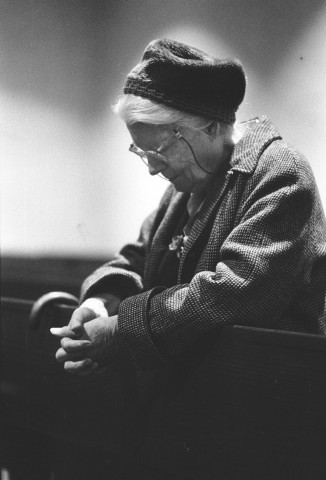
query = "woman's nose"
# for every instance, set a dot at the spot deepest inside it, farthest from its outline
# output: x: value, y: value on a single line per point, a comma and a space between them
x: 155, y: 166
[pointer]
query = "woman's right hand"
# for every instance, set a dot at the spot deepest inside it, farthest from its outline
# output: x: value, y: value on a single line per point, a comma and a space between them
x: 103, y: 305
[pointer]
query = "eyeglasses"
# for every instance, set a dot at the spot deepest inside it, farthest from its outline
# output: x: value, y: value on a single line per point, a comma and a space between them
x: 146, y: 155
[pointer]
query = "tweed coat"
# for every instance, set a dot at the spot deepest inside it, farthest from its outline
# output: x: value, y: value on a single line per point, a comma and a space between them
x: 256, y: 255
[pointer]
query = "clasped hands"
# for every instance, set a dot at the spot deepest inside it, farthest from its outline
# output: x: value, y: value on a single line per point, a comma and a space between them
x: 89, y: 341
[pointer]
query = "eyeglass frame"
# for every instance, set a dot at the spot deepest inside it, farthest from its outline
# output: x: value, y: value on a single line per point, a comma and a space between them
x: 143, y: 154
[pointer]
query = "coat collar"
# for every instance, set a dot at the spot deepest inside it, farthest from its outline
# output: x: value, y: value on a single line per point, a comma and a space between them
x: 260, y: 132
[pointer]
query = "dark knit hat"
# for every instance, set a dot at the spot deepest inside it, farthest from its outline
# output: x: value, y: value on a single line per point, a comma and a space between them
x: 188, y: 79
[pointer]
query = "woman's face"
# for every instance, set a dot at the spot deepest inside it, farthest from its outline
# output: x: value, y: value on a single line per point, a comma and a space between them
x: 176, y: 162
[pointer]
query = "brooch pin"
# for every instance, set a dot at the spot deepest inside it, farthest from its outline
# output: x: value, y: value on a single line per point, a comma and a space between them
x: 177, y: 245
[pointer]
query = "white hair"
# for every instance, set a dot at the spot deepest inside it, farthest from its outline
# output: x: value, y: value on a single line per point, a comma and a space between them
x: 134, y: 109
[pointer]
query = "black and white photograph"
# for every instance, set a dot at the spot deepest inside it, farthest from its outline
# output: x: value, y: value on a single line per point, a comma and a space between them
x: 163, y: 239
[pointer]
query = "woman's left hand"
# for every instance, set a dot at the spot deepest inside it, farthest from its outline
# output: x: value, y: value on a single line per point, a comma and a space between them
x: 93, y: 349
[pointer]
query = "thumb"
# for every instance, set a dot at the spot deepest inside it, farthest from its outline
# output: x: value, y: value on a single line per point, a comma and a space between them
x: 80, y: 316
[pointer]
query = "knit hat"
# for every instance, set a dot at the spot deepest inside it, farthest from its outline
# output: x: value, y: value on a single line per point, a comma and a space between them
x: 188, y: 79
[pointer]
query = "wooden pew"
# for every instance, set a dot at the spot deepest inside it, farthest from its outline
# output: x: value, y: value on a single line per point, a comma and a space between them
x: 38, y: 397
x: 254, y: 406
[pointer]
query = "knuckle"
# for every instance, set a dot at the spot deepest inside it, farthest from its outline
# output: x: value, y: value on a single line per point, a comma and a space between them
x: 77, y: 315
x: 73, y: 324
x: 80, y: 316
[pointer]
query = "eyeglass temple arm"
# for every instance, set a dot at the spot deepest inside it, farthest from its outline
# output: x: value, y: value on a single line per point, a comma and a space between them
x: 179, y: 137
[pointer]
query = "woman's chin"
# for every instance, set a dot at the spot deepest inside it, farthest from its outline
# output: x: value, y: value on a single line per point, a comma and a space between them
x: 181, y: 184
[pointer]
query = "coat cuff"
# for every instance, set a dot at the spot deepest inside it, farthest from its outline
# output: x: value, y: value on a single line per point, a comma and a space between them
x: 111, y: 280
x: 133, y: 325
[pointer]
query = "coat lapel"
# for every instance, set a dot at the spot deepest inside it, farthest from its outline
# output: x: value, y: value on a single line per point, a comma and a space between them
x: 203, y: 217
x: 164, y: 233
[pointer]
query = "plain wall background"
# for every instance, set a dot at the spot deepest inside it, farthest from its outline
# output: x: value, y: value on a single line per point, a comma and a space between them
x: 69, y: 187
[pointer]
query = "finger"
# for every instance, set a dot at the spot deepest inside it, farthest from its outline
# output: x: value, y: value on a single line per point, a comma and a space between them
x: 63, y: 332
x: 71, y: 345
x: 63, y: 356
x: 79, y: 366
x: 79, y: 317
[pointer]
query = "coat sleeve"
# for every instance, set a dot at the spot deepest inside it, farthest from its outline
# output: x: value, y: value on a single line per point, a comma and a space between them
x: 259, y: 271
x: 124, y: 273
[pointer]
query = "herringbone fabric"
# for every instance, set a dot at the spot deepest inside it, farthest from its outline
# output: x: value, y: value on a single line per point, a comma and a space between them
x: 256, y: 255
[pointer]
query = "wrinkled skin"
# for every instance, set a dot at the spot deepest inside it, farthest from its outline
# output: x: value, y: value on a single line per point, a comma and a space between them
x: 91, y: 338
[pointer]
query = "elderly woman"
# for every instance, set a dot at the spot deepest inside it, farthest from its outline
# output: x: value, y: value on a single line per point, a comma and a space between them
x: 239, y: 236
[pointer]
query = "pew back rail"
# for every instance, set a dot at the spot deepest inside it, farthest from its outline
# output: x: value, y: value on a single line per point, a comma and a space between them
x: 253, y: 405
